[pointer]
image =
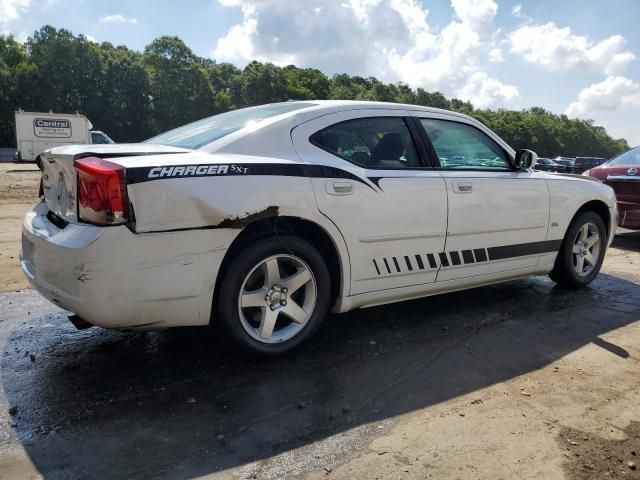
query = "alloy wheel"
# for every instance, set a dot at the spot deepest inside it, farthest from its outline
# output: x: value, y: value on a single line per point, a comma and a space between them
x: 586, y: 249
x: 277, y: 298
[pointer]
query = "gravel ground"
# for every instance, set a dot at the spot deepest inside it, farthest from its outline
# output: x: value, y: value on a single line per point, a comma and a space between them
x: 518, y: 380
x: 18, y: 193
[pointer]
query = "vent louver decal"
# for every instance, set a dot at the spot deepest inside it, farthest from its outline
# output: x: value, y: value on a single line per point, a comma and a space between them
x: 454, y: 258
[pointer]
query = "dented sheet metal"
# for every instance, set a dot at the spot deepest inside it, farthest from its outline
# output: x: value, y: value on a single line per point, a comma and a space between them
x: 206, y: 202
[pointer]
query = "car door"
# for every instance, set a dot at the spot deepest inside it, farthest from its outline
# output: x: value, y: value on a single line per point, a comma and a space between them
x: 369, y: 179
x: 498, y: 217
x: 98, y: 139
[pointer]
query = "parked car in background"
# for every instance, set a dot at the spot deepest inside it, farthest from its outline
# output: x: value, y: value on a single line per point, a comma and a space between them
x: 37, y: 131
x: 622, y: 173
x: 259, y: 221
x: 547, y: 165
x: 582, y: 164
x: 565, y: 164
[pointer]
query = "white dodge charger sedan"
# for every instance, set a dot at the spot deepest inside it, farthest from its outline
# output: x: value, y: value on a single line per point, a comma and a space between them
x: 260, y: 220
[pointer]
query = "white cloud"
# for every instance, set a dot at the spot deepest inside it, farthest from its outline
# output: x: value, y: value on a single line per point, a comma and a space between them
x: 517, y: 12
x: 11, y: 10
x: 477, y: 14
x: 118, y: 18
x: 608, y: 95
x: 389, y: 39
x: 558, y: 48
x: 614, y: 102
x: 487, y: 92
x: 495, y: 55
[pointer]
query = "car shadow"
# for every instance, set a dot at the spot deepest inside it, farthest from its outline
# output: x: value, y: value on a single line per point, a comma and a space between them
x: 180, y: 404
x: 627, y: 240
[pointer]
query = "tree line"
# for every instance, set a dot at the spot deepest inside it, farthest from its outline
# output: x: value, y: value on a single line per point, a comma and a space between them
x: 134, y: 95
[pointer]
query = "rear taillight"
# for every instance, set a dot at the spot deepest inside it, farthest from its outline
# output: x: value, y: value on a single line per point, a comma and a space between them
x: 102, y: 192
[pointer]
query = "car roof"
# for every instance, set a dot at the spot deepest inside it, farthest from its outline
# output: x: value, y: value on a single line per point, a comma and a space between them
x: 314, y: 107
x: 283, y: 123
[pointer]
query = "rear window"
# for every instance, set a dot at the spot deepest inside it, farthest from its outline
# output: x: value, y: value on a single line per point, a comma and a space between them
x: 630, y: 157
x: 200, y: 133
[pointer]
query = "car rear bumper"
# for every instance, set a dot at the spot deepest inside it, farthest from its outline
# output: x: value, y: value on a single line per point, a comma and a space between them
x: 629, y: 215
x: 113, y: 278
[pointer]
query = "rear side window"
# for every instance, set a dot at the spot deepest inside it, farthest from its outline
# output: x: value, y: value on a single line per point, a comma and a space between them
x: 461, y: 146
x: 376, y: 142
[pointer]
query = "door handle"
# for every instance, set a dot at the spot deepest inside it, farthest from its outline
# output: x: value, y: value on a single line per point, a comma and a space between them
x: 462, y: 187
x: 339, y: 188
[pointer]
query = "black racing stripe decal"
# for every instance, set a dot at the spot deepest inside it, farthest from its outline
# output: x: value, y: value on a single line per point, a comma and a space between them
x: 375, y: 264
x: 395, y: 261
x: 408, y: 262
x: 376, y: 181
x: 480, y: 254
x: 386, y: 264
x: 467, y: 256
x: 148, y: 174
x: 323, y: 171
x: 523, y: 249
x: 456, y: 258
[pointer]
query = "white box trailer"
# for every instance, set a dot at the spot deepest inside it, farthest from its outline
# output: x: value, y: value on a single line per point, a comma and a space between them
x: 36, y: 132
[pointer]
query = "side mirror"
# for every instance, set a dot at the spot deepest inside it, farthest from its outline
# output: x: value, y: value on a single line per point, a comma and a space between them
x: 525, y: 159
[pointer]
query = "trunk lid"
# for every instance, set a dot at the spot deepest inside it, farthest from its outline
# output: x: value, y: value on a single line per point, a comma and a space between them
x: 59, y: 177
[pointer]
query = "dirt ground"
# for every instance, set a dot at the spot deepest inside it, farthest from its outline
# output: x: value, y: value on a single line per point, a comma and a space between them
x: 518, y: 380
x: 18, y: 193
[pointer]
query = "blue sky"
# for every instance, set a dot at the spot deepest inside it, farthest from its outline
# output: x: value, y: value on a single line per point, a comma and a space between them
x: 576, y: 57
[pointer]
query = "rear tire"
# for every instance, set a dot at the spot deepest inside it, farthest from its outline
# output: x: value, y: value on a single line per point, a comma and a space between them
x: 582, y: 252
x: 274, y: 295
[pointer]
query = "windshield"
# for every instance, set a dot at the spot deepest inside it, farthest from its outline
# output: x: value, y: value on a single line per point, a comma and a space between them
x: 630, y: 157
x: 200, y: 133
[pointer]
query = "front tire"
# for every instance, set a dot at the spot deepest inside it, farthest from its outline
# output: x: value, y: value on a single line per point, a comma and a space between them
x: 582, y: 252
x: 274, y: 295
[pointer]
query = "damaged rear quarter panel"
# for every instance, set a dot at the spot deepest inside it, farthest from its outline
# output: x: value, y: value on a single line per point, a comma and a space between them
x: 218, y: 201
x: 227, y: 203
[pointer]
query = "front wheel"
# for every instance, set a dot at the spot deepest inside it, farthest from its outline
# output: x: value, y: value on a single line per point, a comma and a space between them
x: 274, y: 295
x: 582, y: 252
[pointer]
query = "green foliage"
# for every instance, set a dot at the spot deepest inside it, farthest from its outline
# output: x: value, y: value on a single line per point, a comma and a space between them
x: 132, y: 95
x: 127, y: 102
x: 306, y: 83
x: 67, y: 70
x: 263, y: 83
x: 549, y: 135
x: 179, y: 85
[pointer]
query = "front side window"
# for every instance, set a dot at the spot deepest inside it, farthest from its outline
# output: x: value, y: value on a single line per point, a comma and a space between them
x: 96, y: 138
x: 376, y: 142
x: 630, y: 157
x: 461, y: 146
